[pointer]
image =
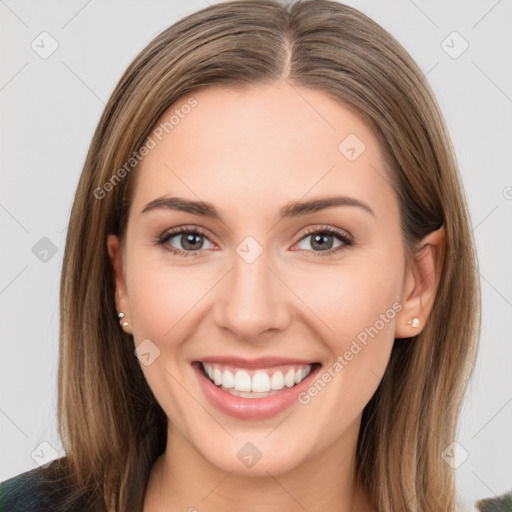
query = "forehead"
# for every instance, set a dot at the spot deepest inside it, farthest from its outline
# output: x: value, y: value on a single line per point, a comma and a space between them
x: 241, y: 147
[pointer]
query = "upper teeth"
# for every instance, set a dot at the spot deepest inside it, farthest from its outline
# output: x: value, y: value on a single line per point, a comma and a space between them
x: 260, y: 381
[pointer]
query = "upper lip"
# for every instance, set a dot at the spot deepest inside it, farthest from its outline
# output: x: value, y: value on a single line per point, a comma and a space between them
x: 260, y: 362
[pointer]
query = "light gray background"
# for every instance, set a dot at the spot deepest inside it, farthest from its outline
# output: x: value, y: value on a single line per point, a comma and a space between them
x: 51, y: 106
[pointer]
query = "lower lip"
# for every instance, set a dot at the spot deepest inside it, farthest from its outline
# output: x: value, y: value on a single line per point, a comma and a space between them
x: 251, y: 408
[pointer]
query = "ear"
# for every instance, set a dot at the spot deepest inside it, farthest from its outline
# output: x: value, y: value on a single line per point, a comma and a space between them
x: 420, y: 283
x: 116, y: 258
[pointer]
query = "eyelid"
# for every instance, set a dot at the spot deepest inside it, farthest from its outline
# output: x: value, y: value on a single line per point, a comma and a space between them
x: 322, y: 228
x: 186, y: 228
x: 346, y: 239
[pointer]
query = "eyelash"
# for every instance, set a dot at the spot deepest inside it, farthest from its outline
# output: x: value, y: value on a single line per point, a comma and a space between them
x: 165, y: 237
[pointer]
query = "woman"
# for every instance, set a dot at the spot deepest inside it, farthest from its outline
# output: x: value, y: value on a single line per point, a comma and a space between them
x: 314, y: 351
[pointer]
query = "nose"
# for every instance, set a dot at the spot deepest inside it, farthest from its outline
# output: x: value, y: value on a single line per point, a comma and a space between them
x: 252, y: 300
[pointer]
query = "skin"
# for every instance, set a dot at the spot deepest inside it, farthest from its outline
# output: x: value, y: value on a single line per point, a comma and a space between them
x: 249, y: 152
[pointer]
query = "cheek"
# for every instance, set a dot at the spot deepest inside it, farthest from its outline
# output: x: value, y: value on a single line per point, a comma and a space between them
x: 356, y: 308
x: 163, y: 301
x: 161, y: 296
x: 356, y: 304
x: 353, y: 297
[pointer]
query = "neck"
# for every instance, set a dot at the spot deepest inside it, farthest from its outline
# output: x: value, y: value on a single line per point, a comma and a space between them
x: 182, y: 479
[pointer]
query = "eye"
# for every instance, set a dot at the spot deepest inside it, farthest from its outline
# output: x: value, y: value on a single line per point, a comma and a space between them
x: 190, y: 239
x: 323, y: 239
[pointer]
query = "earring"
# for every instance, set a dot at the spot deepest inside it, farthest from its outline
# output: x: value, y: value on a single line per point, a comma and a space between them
x: 121, y: 316
x: 414, y: 321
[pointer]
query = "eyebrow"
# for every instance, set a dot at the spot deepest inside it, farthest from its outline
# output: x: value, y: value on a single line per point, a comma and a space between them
x: 292, y: 209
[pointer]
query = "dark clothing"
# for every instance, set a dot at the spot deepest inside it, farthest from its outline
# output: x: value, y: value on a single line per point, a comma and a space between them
x: 44, y: 489
x: 501, y: 503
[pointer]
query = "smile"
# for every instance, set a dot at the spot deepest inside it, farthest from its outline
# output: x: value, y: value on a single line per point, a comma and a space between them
x: 254, y: 393
x: 255, y: 383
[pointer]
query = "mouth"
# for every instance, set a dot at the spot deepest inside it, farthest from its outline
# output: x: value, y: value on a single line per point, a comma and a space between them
x: 250, y: 393
x: 255, y: 383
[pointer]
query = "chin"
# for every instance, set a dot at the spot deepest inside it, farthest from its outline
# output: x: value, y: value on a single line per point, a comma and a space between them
x: 253, y: 456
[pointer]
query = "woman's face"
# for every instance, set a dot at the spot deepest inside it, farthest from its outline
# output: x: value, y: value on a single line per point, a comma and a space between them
x: 262, y: 287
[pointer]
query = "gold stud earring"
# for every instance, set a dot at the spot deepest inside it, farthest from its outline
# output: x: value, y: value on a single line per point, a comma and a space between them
x: 414, y: 322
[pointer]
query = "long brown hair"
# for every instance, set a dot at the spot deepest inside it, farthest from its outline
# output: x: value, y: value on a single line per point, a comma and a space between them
x: 111, y: 426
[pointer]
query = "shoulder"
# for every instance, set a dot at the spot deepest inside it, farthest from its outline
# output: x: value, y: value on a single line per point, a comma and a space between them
x: 502, y: 503
x: 42, y: 489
